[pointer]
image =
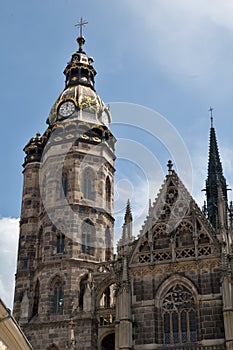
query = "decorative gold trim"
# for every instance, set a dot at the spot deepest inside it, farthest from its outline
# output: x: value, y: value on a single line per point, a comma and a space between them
x: 58, y: 138
x: 85, y: 137
x: 97, y: 139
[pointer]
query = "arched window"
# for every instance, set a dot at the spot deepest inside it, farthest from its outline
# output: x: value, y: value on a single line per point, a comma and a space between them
x: 179, y: 316
x: 108, y: 342
x: 108, y: 192
x: 108, y: 242
x: 36, y: 299
x: 185, y: 232
x: 89, y: 184
x: 88, y: 237
x: 161, y: 237
x: 64, y: 188
x: 57, y: 304
x: 107, y: 299
x: 60, y: 243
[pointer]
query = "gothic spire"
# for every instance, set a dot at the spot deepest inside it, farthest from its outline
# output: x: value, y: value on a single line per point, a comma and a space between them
x: 215, y: 165
x: 127, y: 226
x: 215, y: 183
x: 127, y: 236
x: 128, y: 215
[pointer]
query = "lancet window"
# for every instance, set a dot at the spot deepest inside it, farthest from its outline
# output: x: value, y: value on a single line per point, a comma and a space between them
x: 179, y: 316
x: 108, y: 192
x: 64, y: 188
x: 88, y: 237
x: 89, y: 184
x: 108, y: 243
x: 36, y: 299
x: 60, y: 243
x: 57, y: 305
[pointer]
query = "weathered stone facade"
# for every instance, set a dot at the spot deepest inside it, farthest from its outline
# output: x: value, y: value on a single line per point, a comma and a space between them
x: 169, y: 289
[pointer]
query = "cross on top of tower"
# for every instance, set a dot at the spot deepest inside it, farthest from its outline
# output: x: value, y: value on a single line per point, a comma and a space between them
x: 80, y: 25
x: 211, y: 116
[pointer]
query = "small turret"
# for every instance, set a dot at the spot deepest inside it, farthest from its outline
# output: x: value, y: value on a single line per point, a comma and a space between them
x: 33, y: 149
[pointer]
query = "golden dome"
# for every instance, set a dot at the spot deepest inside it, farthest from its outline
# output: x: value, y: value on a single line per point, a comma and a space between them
x: 85, y: 101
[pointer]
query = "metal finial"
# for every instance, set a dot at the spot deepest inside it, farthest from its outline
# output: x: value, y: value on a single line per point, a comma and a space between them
x: 211, y: 117
x: 169, y: 165
x: 80, y: 25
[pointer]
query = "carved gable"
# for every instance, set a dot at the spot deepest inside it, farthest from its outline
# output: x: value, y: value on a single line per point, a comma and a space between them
x: 175, y: 228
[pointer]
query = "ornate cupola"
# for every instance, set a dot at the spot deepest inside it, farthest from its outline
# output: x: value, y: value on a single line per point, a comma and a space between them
x: 79, y: 100
x: 80, y: 69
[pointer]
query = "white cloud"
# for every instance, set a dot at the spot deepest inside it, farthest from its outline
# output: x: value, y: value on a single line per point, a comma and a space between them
x: 9, y: 232
x: 188, y: 39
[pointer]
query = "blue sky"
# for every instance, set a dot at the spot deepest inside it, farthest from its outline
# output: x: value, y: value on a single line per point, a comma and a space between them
x: 172, y: 56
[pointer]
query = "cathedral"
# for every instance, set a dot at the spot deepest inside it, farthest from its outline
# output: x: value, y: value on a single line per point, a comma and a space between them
x: 171, y: 288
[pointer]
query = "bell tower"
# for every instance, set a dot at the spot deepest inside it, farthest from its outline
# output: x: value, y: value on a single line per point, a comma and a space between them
x: 66, y: 224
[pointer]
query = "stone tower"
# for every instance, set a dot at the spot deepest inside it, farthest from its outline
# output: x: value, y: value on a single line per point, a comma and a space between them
x: 66, y: 224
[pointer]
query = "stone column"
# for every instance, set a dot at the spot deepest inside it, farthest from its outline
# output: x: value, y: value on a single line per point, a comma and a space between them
x: 123, y: 309
x: 227, y: 291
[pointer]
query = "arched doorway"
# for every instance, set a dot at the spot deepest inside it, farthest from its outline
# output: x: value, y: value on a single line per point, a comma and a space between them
x: 108, y: 343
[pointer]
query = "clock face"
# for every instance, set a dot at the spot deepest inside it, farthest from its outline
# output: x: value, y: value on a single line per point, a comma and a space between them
x: 66, y: 108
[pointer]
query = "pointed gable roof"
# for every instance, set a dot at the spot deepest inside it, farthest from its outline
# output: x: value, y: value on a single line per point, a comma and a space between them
x: 174, y: 218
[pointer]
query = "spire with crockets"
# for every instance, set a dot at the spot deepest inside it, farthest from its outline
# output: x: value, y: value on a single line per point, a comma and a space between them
x: 127, y: 236
x: 216, y: 187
